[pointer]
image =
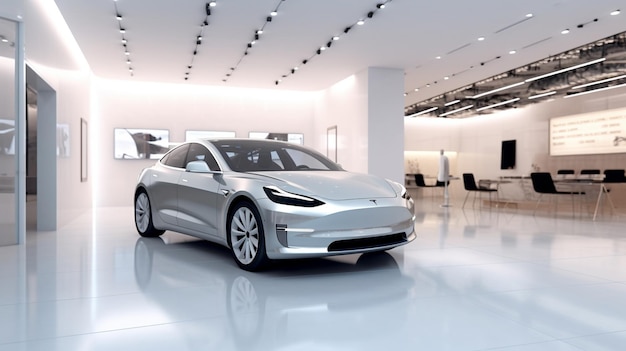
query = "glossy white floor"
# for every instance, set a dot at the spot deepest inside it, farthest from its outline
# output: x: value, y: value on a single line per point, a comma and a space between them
x: 482, y: 279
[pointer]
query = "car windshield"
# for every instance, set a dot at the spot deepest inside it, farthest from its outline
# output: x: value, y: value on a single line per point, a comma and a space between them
x: 263, y: 155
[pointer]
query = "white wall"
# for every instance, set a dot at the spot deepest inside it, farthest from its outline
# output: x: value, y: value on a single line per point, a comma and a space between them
x: 367, y: 110
x: 181, y: 107
x: 345, y: 105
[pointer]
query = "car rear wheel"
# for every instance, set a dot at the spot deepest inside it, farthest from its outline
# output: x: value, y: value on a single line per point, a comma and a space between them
x: 246, y: 236
x: 143, y: 216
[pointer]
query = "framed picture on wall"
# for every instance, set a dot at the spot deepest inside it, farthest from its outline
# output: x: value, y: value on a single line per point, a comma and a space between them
x: 133, y: 144
x: 63, y: 140
x: 331, y: 143
x: 294, y: 138
x: 207, y: 134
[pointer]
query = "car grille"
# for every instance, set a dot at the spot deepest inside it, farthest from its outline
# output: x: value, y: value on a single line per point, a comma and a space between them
x: 367, y: 243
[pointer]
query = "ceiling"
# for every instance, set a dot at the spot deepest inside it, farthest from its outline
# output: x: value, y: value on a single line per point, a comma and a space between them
x: 162, y: 37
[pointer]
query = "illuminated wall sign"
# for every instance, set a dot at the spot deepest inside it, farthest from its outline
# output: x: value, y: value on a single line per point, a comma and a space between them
x: 601, y: 132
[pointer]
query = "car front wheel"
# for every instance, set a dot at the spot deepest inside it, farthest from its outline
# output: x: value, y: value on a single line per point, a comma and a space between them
x: 143, y: 216
x: 246, y: 236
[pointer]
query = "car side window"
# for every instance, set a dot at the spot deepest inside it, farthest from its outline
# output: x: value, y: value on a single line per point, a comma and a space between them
x: 198, y: 152
x: 176, y: 158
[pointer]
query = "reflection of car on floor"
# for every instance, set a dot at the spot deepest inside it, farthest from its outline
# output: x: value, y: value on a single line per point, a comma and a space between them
x: 281, y: 309
x: 270, y: 200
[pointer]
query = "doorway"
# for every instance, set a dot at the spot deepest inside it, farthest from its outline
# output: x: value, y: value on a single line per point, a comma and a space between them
x: 42, y: 151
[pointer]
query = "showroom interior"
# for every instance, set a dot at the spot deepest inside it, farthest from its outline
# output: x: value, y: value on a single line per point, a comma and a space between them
x: 376, y: 78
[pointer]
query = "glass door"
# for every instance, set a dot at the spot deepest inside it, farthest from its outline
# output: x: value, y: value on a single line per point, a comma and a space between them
x: 9, y: 138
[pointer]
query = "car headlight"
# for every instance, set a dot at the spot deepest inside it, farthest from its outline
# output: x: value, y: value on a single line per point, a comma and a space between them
x: 280, y: 196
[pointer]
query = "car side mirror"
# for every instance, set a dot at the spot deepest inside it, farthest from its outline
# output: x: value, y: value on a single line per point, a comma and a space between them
x: 197, y: 167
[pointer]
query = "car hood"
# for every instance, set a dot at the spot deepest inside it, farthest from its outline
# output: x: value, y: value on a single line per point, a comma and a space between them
x: 333, y: 185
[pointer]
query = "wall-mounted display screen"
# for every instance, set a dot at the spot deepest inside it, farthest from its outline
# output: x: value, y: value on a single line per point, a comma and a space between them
x: 141, y: 143
x: 207, y: 134
x: 507, y: 157
x: 7, y: 137
x: 601, y: 132
x: 294, y: 138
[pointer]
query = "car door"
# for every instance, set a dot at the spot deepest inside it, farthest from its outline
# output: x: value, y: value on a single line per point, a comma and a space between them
x: 198, y: 193
x: 164, y: 186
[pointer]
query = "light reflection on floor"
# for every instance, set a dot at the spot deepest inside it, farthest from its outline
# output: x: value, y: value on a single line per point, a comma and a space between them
x: 475, y: 279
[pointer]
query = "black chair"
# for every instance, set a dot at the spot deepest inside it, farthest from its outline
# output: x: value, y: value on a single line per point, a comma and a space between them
x: 589, y: 171
x: 419, y: 181
x: 543, y: 184
x: 470, y: 185
x: 614, y: 176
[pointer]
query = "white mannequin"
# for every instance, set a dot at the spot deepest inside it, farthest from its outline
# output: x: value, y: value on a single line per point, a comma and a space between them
x: 444, y: 176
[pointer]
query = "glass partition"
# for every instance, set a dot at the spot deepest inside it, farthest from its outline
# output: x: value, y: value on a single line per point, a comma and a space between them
x: 8, y: 134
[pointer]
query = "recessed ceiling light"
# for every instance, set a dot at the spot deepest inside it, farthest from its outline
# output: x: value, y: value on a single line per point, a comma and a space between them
x: 529, y: 15
x: 416, y: 89
x: 446, y: 78
x: 512, y: 52
x: 122, y: 30
x: 565, y: 31
x: 380, y: 6
x: 126, y: 53
x: 615, y: 13
x: 273, y: 13
x: 124, y: 41
x: 213, y: 3
x: 336, y: 37
x: 119, y: 17
x: 481, y: 38
x: 260, y: 31
x: 438, y: 57
x: 323, y: 48
x: 360, y: 22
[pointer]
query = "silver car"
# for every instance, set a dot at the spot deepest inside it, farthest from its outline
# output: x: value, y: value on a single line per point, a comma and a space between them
x: 270, y: 200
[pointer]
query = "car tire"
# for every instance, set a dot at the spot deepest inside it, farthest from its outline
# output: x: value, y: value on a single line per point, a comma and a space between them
x: 246, y: 237
x: 143, y: 216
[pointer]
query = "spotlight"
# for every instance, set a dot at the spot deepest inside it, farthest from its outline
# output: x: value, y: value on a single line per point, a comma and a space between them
x: 380, y: 6
x: 122, y: 30
x: 119, y: 17
x: 227, y: 74
x: 186, y: 78
x: 335, y: 38
x: 319, y: 51
x: 580, y: 26
x: 195, y: 52
x: 304, y: 62
x: 329, y: 43
x: 273, y: 13
x: 347, y: 29
x: 126, y: 53
x: 206, y: 23
x: 370, y: 14
x: 213, y: 4
x: 256, y: 37
x: 323, y: 48
x: 189, y: 66
x: 512, y: 52
x: 481, y: 38
x: 616, y: 12
x: 360, y: 22
x: 293, y: 71
x: 269, y: 19
x: 249, y: 45
x: 565, y: 31
x: 124, y: 41
x: 260, y: 31
x: 208, y: 9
